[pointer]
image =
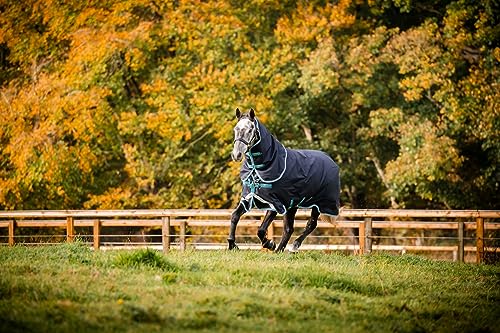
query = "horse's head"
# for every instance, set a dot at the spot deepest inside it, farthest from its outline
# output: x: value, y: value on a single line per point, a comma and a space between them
x: 245, y: 134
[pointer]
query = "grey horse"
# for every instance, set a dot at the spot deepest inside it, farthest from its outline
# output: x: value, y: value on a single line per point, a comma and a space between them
x: 280, y: 181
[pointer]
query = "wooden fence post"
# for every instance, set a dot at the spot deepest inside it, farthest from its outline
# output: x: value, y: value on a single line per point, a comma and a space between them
x: 97, y: 234
x: 362, y: 238
x: 70, y: 229
x: 12, y: 226
x: 165, y: 233
x: 479, y: 240
x: 182, y: 236
x: 368, y: 235
x: 460, y: 241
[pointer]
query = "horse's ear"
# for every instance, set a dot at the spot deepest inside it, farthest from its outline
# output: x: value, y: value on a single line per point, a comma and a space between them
x: 252, y: 114
x: 238, y: 113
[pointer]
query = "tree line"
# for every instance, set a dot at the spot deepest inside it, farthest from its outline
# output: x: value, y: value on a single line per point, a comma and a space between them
x: 130, y: 104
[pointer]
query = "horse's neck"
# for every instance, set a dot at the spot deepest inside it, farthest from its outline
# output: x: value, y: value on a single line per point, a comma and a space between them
x: 263, y: 150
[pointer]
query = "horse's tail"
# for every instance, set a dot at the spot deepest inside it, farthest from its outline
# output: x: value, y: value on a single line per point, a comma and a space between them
x: 332, y: 219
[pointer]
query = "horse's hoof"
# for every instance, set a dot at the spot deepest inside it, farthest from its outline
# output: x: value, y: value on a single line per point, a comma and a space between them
x: 295, y: 248
x: 232, y: 245
x: 269, y: 244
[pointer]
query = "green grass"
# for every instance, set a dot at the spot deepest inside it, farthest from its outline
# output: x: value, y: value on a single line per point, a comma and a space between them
x: 70, y: 288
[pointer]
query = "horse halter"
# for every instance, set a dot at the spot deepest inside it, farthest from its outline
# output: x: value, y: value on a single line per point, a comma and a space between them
x: 245, y: 141
x: 252, y: 139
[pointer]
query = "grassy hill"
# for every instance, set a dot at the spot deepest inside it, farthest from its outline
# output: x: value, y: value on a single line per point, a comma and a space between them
x: 70, y: 288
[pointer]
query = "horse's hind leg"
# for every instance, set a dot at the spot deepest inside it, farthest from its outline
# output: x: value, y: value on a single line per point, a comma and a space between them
x: 312, y: 223
x: 288, y: 220
x: 262, y: 232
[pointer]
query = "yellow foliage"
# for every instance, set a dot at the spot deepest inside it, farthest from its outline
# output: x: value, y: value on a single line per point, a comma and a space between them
x: 312, y: 23
x: 496, y: 53
x: 113, y: 198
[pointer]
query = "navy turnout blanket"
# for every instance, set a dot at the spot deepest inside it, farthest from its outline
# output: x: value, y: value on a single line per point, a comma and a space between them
x: 277, y: 178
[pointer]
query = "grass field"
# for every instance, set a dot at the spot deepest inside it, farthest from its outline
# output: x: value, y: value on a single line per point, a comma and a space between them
x: 70, y: 288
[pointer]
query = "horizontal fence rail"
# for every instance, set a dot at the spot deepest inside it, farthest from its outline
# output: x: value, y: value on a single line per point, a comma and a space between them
x: 361, y: 231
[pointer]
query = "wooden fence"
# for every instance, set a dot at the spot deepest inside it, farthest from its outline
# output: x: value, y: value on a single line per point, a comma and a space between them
x: 174, y: 225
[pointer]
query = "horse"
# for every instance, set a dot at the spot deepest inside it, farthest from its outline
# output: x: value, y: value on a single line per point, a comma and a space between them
x: 280, y: 181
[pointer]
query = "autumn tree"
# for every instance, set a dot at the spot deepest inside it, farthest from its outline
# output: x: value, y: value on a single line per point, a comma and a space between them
x: 130, y: 104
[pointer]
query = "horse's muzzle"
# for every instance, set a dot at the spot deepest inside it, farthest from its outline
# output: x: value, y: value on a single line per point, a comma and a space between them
x: 238, y: 151
x: 237, y: 156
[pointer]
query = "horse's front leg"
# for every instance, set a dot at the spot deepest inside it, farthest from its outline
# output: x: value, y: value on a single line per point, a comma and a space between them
x: 235, y: 218
x: 262, y: 232
x: 288, y: 220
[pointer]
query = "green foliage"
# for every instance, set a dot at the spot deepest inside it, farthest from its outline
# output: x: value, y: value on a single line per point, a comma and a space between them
x: 129, y: 104
x: 50, y: 289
